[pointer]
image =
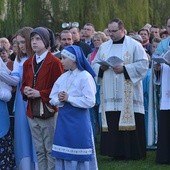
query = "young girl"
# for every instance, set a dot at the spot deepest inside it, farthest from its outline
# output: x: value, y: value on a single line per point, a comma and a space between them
x: 23, y: 147
x: 74, y: 93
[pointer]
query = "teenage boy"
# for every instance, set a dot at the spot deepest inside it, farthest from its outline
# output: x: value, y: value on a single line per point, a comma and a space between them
x: 39, y: 74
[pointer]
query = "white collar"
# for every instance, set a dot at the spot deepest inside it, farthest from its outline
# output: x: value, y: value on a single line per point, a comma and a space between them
x: 41, y: 57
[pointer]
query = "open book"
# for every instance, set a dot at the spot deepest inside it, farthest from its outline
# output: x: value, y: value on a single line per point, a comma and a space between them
x: 165, y: 57
x: 112, y: 61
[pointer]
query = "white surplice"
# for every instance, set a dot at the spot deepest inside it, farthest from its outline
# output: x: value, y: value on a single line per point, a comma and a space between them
x: 112, y: 84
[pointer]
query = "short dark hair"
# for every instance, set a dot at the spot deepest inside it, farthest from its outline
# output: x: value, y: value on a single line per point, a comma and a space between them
x: 75, y: 28
x: 163, y: 32
x: 154, y: 26
x: 144, y: 29
x: 65, y: 31
x: 89, y: 24
x: 118, y: 21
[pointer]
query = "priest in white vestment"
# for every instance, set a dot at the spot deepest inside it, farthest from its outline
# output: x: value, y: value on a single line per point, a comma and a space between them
x: 122, y: 93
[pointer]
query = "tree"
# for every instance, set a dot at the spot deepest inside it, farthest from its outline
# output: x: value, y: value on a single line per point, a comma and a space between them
x: 15, y: 14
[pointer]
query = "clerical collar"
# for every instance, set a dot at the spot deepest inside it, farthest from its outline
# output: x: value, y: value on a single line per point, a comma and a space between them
x: 120, y: 41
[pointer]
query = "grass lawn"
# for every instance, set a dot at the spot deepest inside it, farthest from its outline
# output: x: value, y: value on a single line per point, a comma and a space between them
x: 106, y: 163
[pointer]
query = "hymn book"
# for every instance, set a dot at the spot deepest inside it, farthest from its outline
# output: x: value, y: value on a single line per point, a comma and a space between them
x: 164, y: 58
x: 112, y: 61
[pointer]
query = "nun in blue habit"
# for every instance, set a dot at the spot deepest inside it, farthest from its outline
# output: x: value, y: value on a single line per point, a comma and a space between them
x: 74, y: 93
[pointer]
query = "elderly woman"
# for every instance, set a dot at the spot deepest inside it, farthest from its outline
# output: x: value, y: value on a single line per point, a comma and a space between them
x: 98, y: 38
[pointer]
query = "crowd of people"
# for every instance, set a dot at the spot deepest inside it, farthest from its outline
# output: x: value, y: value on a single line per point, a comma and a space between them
x: 58, y: 99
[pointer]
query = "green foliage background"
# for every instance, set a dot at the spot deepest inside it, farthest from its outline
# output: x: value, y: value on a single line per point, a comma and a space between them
x: 15, y: 14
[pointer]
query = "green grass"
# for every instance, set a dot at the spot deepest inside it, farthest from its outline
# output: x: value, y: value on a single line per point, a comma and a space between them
x: 106, y: 163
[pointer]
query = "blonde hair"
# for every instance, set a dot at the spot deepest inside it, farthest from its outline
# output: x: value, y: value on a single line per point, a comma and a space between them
x: 100, y: 35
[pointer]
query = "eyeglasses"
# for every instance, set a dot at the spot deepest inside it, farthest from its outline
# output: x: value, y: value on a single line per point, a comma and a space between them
x: 111, y: 31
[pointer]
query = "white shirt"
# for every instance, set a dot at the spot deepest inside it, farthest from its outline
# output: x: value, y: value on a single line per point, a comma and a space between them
x: 41, y: 57
x: 5, y: 89
x: 80, y: 87
x: 16, y: 75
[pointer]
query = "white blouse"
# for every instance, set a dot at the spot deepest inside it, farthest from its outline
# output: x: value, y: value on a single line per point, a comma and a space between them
x: 16, y: 75
x: 5, y: 89
x: 80, y: 87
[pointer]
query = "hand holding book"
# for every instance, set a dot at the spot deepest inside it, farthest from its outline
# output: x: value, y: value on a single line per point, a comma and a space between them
x: 112, y: 61
x: 164, y: 58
